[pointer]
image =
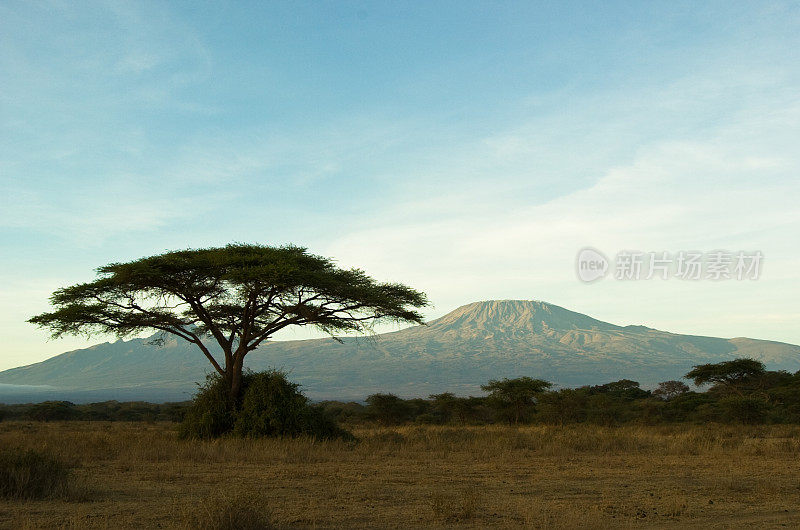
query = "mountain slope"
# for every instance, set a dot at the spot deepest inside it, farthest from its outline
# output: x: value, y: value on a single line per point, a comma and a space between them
x: 456, y: 352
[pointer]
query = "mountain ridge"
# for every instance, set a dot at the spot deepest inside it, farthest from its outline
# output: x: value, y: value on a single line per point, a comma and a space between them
x: 456, y: 352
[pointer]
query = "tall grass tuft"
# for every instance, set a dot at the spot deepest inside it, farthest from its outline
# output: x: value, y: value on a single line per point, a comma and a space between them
x: 230, y: 511
x: 31, y: 475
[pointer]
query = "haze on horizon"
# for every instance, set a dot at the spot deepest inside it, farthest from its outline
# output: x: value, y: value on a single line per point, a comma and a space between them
x: 467, y: 149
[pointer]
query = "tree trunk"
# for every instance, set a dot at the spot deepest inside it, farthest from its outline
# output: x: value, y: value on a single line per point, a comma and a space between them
x: 234, y: 373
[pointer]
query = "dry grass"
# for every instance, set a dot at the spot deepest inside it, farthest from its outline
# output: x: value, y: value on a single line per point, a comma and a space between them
x: 140, y: 475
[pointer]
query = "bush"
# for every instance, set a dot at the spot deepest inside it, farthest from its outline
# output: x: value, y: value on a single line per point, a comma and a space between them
x: 744, y: 409
x: 388, y: 409
x: 568, y: 405
x: 271, y: 406
x: 52, y: 411
x: 344, y: 412
x: 3, y: 413
x: 211, y: 413
x: 31, y: 475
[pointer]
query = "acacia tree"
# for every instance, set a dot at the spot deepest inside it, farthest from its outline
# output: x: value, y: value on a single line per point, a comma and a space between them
x: 238, y: 296
x: 518, y: 394
x: 731, y: 375
x: 388, y: 409
x: 668, y: 390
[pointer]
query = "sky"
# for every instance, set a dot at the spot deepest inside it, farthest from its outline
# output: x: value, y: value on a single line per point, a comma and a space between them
x: 469, y: 149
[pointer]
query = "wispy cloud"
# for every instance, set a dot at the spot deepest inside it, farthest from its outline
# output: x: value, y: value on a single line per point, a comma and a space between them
x: 471, y: 167
x: 736, y: 188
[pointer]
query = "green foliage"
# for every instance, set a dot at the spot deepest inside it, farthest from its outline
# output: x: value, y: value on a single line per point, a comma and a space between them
x: 736, y: 409
x: 688, y: 407
x: 785, y: 400
x: 104, y: 411
x: 443, y: 407
x: 238, y: 295
x: 270, y: 406
x: 727, y: 375
x: 52, y: 411
x: 514, y: 398
x: 622, y: 389
x: 608, y: 409
x: 343, y: 412
x: 233, y: 285
x: 31, y: 475
x: 449, y: 408
x: 275, y: 407
x: 670, y: 389
x: 472, y: 410
x: 568, y: 405
x: 388, y: 409
x: 211, y: 413
x: 648, y: 411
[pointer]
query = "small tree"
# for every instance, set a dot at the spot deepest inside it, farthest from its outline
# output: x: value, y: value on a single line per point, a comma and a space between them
x: 670, y: 389
x: 567, y: 405
x: 730, y: 375
x: 444, y: 406
x: 470, y: 409
x: 238, y: 296
x: 515, y: 396
x: 52, y: 411
x: 388, y: 409
x: 623, y: 389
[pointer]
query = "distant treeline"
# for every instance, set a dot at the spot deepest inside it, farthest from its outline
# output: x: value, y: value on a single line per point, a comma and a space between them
x: 740, y: 391
x: 105, y: 411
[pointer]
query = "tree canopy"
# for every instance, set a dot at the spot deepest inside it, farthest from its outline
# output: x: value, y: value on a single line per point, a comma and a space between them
x: 515, y: 394
x: 667, y: 390
x: 729, y: 374
x: 239, y: 295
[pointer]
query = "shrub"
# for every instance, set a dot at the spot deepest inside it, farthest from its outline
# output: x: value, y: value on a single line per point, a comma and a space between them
x: 607, y: 409
x: 567, y: 405
x: 211, y: 413
x: 3, y: 413
x: 271, y: 406
x: 52, y: 411
x: 787, y: 404
x: 687, y: 407
x: 344, y: 412
x: 743, y: 409
x: 670, y: 389
x: 31, y: 475
x: 388, y: 409
x: 429, y: 419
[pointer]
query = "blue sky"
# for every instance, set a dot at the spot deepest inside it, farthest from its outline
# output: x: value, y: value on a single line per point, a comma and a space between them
x: 467, y: 148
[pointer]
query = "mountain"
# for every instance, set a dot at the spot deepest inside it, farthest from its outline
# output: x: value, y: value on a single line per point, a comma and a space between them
x: 457, y: 352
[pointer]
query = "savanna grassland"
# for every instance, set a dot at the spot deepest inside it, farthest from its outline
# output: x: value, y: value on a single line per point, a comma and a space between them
x: 141, y: 475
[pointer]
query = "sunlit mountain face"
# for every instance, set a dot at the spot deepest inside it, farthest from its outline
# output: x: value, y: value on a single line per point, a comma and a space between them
x: 457, y: 352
